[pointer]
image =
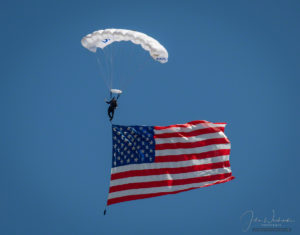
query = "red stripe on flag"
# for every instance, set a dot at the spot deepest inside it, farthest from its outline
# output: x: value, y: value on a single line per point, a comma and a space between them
x: 177, y: 170
x: 169, y: 183
x: 143, y: 196
x: 193, y: 156
x: 191, y: 133
x: 191, y: 144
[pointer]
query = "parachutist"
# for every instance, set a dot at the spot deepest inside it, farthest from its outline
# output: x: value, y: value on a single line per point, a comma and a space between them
x: 112, y: 106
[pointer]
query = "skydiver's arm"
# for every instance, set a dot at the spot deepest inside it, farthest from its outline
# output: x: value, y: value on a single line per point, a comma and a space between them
x: 108, y: 102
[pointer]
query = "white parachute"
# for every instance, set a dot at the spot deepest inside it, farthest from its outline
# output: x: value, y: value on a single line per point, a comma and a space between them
x: 109, y: 38
x: 102, y: 38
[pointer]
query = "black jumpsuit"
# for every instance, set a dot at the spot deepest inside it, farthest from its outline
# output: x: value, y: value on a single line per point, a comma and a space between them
x: 111, y: 109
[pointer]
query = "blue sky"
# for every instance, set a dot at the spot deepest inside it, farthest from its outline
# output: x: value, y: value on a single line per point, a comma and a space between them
x: 229, y: 61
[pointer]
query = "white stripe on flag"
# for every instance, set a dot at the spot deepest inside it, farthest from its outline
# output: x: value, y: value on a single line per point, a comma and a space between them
x: 190, y: 139
x: 158, y: 189
x: 148, y: 166
x: 191, y: 150
x: 139, y: 179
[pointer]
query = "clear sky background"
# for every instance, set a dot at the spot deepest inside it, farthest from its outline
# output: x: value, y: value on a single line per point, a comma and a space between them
x: 229, y: 61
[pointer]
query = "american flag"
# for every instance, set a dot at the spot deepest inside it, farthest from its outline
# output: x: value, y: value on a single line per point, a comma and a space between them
x: 150, y: 161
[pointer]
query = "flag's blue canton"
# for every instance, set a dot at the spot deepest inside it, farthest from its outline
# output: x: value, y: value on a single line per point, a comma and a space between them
x: 132, y: 145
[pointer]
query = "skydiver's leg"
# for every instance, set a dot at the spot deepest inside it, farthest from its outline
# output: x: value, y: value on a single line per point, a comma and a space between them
x: 112, y: 114
x: 109, y: 113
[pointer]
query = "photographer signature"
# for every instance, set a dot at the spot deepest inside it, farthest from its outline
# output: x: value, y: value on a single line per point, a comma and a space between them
x: 250, y: 219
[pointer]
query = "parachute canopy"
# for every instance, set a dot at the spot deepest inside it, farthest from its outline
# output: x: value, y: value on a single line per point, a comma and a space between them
x: 103, y: 38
